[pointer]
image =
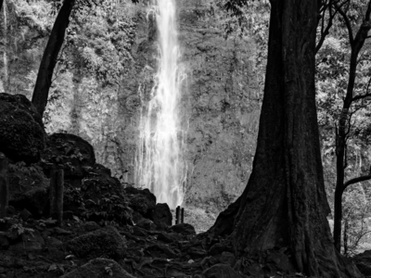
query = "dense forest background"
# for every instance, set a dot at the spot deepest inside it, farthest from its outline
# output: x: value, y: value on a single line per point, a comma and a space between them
x: 104, y: 74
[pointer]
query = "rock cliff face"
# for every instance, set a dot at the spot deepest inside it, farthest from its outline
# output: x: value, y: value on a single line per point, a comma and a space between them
x: 221, y: 101
x: 224, y: 89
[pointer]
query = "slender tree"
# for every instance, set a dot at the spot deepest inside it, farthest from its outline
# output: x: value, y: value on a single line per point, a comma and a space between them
x: 49, y: 59
x: 357, y: 42
x: 284, y: 204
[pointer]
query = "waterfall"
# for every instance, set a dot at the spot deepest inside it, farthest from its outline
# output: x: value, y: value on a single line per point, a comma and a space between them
x: 159, y: 157
x: 5, y: 58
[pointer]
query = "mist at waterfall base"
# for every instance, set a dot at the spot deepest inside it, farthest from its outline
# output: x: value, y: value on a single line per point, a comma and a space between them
x: 159, y: 165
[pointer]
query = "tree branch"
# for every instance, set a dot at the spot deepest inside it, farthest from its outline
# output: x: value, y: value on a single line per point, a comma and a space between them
x: 362, y: 33
x: 346, y: 21
x: 325, y: 31
x: 360, y: 97
x: 364, y: 95
x: 356, y: 180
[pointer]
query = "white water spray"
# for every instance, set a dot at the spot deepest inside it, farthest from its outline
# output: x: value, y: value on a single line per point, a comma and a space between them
x: 159, y: 163
x: 5, y: 59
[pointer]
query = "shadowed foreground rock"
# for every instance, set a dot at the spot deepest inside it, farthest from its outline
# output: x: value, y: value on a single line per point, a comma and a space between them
x: 363, y: 262
x: 71, y: 151
x: 141, y: 200
x: 104, y: 242
x: 183, y: 228
x: 162, y: 215
x: 29, y: 188
x: 99, y: 268
x: 221, y: 271
x: 22, y: 136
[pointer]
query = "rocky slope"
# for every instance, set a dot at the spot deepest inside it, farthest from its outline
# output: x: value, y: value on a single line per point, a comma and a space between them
x: 101, y: 228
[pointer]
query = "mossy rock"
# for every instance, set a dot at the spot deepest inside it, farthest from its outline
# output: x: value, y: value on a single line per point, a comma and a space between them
x: 105, y: 242
x: 22, y: 135
x: 71, y: 151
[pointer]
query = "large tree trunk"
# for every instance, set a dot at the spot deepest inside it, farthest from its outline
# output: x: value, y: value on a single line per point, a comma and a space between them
x: 284, y: 204
x: 49, y: 59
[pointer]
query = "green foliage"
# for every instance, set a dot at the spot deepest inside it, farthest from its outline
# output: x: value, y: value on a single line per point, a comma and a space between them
x: 73, y: 199
x: 23, y: 177
x: 19, y: 229
x: 109, y: 208
x: 58, y: 110
x: 104, y: 200
x: 94, y: 59
x: 101, y: 39
x: 246, y: 20
x: 357, y: 219
x: 36, y: 13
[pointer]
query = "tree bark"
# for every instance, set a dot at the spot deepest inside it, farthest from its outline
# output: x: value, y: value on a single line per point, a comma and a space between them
x: 49, y: 59
x: 284, y: 204
x: 346, y: 238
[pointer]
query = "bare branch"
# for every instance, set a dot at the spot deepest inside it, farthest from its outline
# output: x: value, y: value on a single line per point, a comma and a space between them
x: 360, y: 97
x: 346, y: 21
x: 332, y: 14
x: 356, y: 180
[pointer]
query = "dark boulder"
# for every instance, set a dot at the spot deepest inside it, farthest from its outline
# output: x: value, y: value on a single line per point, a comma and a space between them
x: 184, y: 229
x: 146, y: 224
x: 90, y: 226
x: 75, y: 154
x: 141, y: 200
x: 162, y: 215
x: 34, y: 200
x: 97, y: 185
x: 22, y: 136
x: 104, y: 198
x: 106, y: 242
x: 28, y: 188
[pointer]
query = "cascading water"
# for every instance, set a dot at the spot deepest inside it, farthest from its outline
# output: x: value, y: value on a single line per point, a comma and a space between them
x: 5, y: 59
x: 159, y: 158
